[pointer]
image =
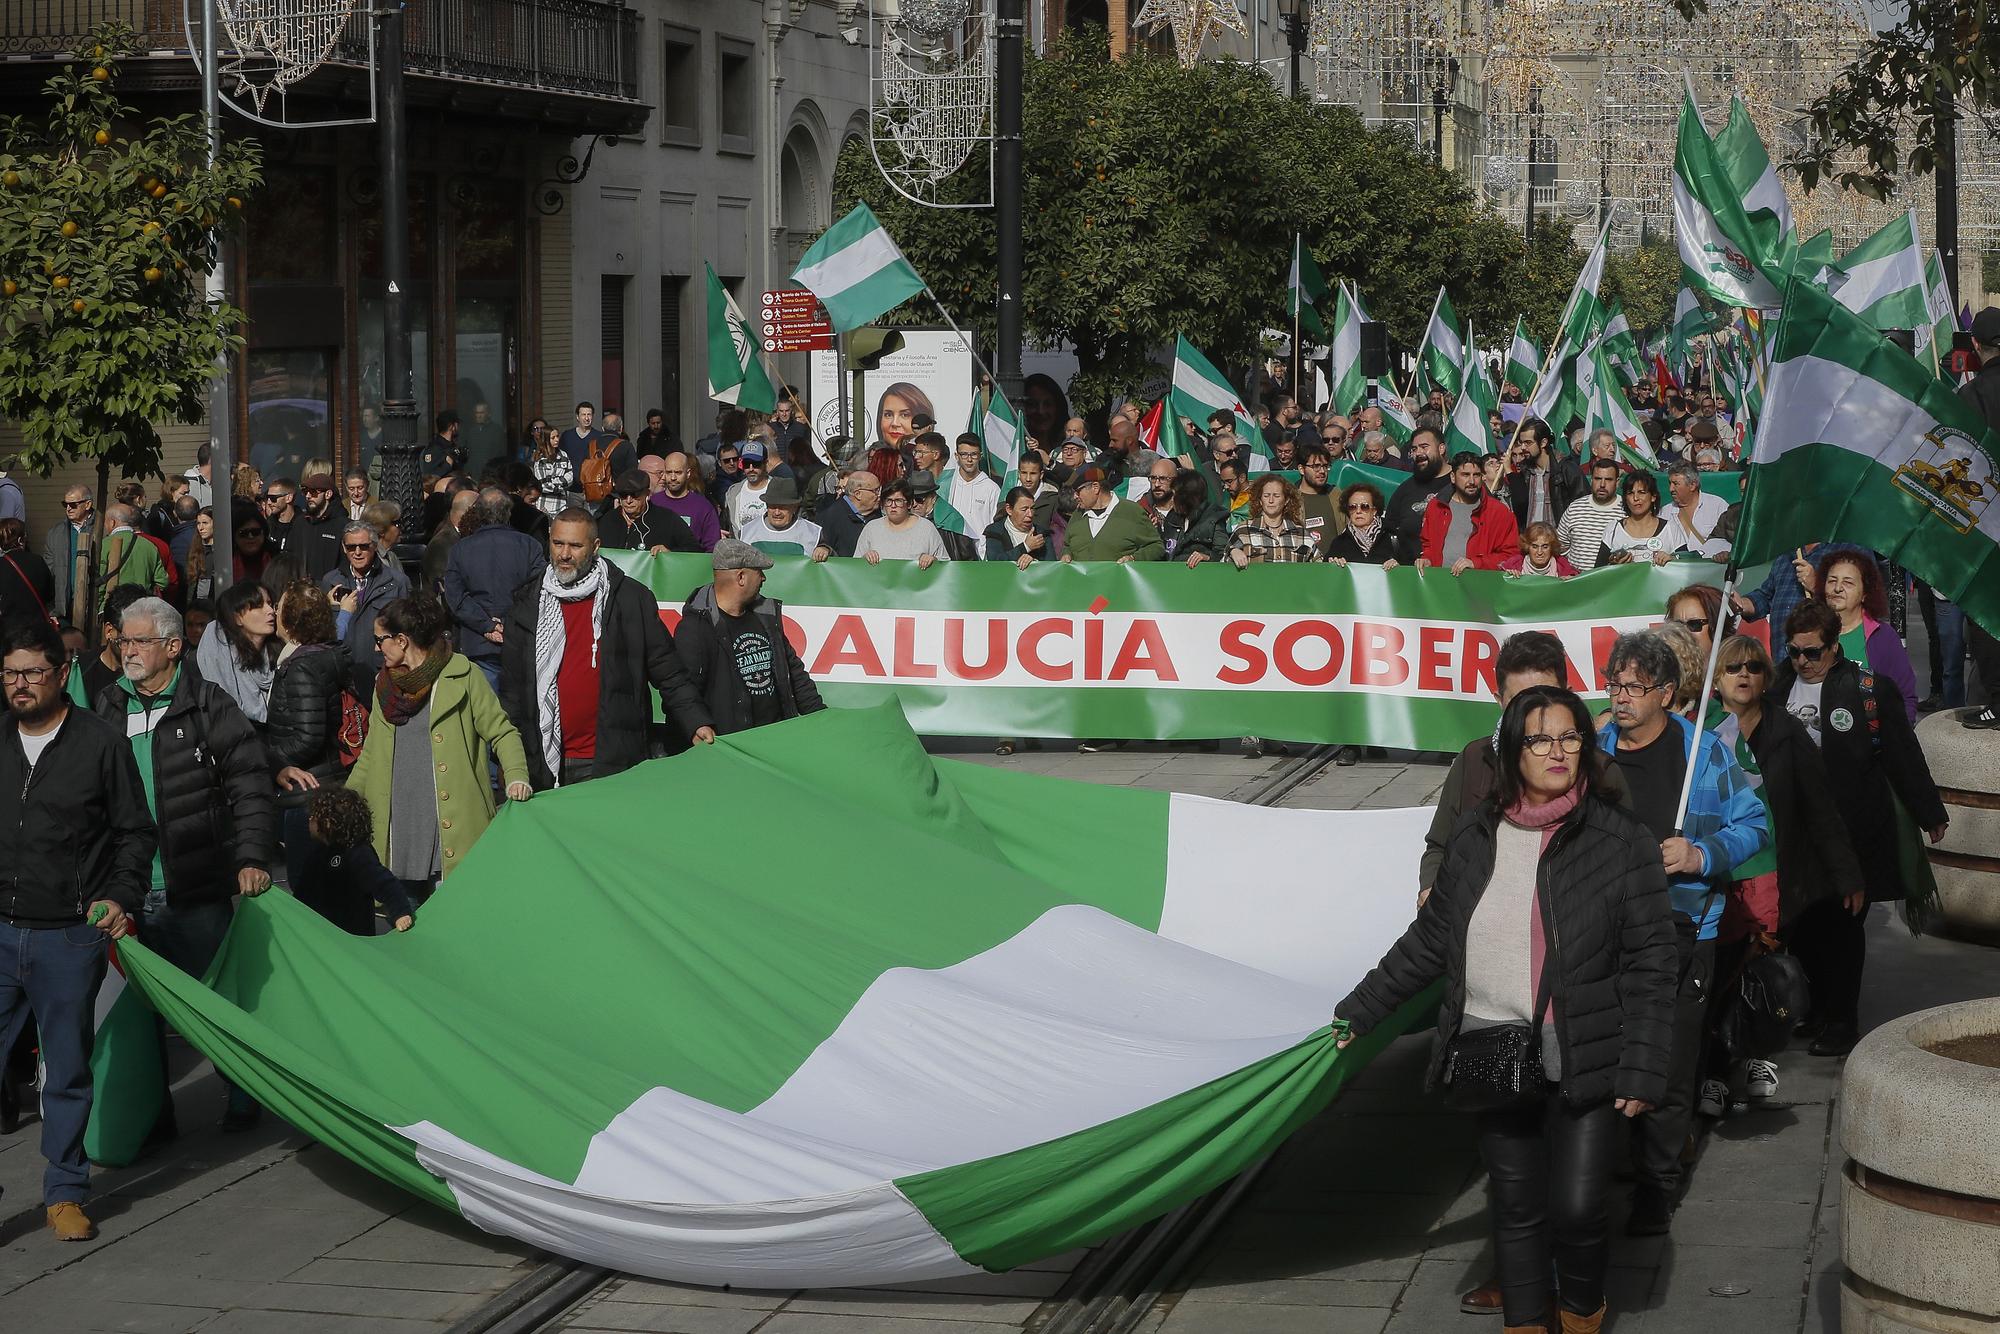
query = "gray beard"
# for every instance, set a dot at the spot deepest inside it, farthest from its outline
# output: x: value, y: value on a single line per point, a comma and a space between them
x: 574, y: 579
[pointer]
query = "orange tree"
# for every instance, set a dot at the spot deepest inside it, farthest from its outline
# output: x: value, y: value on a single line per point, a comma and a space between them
x: 108, y: 230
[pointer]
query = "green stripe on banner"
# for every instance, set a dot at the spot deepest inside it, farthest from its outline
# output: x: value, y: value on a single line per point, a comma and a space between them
x: 1004, y: 1212
x: 1158, y: 651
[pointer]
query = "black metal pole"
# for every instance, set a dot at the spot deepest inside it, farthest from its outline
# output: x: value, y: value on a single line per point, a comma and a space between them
x: 1007, y: 186
x: 1534, y: 145
x: 1295, y: 37
x: 400, y: 481
x: 1946, y: 171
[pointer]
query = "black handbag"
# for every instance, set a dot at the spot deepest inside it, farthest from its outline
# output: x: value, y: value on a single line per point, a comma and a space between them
x: 1491, y: 1069
x: 1769, y: 997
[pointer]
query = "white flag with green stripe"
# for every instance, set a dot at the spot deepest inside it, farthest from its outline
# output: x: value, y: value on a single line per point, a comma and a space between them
x: 857, y: 271
x: 1584, y: 313
x: 1620, y: 346
x: 1396, y: 419
x: 1719, y: 249
x: 1441, y: 355
x: 1200, y: 390
x: 1349, y: 384
x: 1860, y: 442
x: 1882, y: 279
x: 999, y: 430
x: 1470, y: 425
x: 1305, y: 289
x: 1934, y: 339
x: 1740, y: 152
x: 1603, y: 406
x: 735, y: 370
x: 1524, y: 358
x: 807, y: 1069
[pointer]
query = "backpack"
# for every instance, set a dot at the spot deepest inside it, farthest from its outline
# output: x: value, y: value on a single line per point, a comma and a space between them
x: 595, y: 474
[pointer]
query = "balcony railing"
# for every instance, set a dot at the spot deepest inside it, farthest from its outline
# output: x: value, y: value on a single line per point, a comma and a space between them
x: 585, y: 47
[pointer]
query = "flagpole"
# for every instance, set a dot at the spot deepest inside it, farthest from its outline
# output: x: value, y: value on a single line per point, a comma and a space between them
x: 973, y: 348
x: 1714, y: 654
x: 1298, y: 283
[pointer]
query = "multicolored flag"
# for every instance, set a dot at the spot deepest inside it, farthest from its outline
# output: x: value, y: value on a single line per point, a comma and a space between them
x: 1396, y: 418
x: 857, y: 271
x: 1160, y: 430
x: 1200, y: 390
x: 1721, y: 253
x: 1441, y: 355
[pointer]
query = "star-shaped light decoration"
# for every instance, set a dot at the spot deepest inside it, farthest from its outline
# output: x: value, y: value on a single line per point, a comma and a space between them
x: 1192, y: 22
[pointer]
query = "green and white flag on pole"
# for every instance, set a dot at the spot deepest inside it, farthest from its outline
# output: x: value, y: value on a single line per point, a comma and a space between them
x: 1690, y: 323
x: 1524, y: 358
x: 1470, y: 425
x: 1862, y: 443
x: 735, y: 370
x: 1584, y: 314
x: 857, y: 271
x: 1554, y: 400
x: 998, y: 429
x: 1199, y: 390
x: 1441, y: 355
x: 1720, y: 251
x: 1602, y: 405
x: 1304, y: 290
x: 1620, y: 346
x: 1740, y: 152
x: 1396, y: 419
x: 819, y: 1074
x: 1349, y: 385
x: 1934, y: 339
x: 1882, y: 279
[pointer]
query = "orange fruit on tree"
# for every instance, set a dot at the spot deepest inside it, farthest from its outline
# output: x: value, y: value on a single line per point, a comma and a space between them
x: 69, y: 229
x: 9, y: 287
x: 76, y: 306
x: 158, y: 190
x: 151, y: 229
x: 154, y: 275
x: 100, y: 74
x: 98, y: 51
x: 60, y: 281
x: 102, y: 137
x: 11, y: 179
x: 234, y: 202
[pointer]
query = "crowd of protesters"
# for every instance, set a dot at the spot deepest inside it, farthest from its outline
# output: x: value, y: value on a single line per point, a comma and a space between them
x: 347, y: 703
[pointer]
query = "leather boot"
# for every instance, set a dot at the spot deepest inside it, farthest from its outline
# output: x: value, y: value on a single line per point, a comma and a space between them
x: 1583, y: 1324
x: 1525, y: 1329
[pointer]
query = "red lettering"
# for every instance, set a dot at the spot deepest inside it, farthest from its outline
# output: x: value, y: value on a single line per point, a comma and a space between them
x: 954, y: 650
x: 1434, y: 658
x: 848, y: 645
x: 1285, y: 656
x: 795, y: 635
x: 906, y: 651
x: 1029, y: 651
x: 1475, y: 669
x: 671, y: 618
x: 1378, y: 655
x: 1093, y: 650
x: 1602, y: 637
x: 1237, y: 637
x: 1143, y: 651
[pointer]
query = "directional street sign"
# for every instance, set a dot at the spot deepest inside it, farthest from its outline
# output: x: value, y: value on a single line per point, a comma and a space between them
x: 794, y: 321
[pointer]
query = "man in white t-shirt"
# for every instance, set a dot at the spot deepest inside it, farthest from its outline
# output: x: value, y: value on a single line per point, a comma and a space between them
x: 745, y: 500
x: 779, y: 531
x: 1589, y: 517
x: 1695, y: 513
x: 968, y: 489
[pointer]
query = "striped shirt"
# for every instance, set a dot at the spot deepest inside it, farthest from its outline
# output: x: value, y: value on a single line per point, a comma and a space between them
x: 1583, y: 526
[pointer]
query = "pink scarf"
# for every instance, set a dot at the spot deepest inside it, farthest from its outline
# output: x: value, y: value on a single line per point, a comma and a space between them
x: 1546, y: 817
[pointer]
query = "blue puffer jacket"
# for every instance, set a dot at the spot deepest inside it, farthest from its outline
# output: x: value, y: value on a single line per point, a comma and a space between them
x: 1725, y: 820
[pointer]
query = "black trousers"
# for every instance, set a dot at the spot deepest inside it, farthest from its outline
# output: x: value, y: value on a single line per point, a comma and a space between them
x: 1663, y: 1131
x: 1986, y: 657
x: 1832, y: 946
x: 1927, y: 606
x: 1550, y: 1166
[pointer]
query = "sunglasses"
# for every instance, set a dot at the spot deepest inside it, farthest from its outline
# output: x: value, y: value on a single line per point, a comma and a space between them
x: 1361, y: 507
x: 249, y: 532
x: 357, y: 546
x: 1754, y: 668
x: 319, y: 490
x: 1694, y: 625
x: 74, y: 504
x: 1805, y: 654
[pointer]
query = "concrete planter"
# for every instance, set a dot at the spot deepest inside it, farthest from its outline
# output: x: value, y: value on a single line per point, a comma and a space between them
x: 1920, y: 1197
x: 1966, y: 765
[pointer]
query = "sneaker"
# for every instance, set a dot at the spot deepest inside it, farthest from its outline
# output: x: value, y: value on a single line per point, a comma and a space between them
x: 1762, y: 1079
x: 1714, y: 1098
x: 1253, y: 747
x: 1984, y: 718
x: 1930, y: 703
x: 69, y: 1222
x: 1652, y: 1213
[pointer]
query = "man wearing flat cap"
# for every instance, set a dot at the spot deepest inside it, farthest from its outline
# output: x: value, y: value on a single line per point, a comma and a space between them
x: 732, y: 639
x: 1107, y: 528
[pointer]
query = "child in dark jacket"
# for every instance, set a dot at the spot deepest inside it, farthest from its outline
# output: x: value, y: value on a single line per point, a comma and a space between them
x: 342, y: 879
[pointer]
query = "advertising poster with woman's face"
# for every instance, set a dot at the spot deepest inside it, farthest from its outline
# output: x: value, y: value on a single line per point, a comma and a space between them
x: 930, y: 377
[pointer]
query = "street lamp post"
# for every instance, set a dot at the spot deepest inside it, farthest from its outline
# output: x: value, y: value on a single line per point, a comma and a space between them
x: 1007, y: 192
x: 1440, y: 103
x: 1292, y: 14
x: 1534, y: 147
x: 400, y: 481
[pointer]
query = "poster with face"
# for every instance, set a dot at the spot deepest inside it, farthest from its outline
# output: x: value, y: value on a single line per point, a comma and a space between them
x: 931, y: 376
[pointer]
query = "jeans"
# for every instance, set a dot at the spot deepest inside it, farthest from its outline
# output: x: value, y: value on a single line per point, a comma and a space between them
x: 1949, y: 649
x: 490, y: 666
x: 52, y: 974
x: 1663, y: 1131
x: 1550, y: 1166
x: 189, y: 938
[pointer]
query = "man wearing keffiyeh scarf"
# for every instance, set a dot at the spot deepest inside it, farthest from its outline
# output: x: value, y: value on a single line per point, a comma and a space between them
x: 581, y: 645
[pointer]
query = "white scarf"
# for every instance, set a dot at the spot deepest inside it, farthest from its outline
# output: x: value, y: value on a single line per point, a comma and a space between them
x: 551, y: 640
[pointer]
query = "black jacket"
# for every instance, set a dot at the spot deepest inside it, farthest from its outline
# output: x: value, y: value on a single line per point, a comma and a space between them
x: 714, y: 673
x: 1345, y: 547
x: 635, y: 651
x: 1982, y: 391
x: 1566, y: 483
x: 657, y: 526
x: 212, y: 795
x: 364, y: 656
x: 76, y: 829
x: 839, y: 526
x: 1815, y: 858
x: 1468, y: 783
x: 312, y: 545
x: 26, y: 587
x: 1610, y: 941
x: 1875, y: 757
x: 1404, y: 523
x: 302, y: 725
x: 1000, y: 543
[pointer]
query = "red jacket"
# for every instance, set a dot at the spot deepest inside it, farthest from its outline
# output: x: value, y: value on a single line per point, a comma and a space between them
x: 1495, y: 533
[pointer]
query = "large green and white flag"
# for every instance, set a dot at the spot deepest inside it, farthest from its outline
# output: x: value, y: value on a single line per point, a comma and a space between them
x: 1584, y: 313
x: 1882, y: 279
x: 1305, y: 289
x: 857, y: 271
x: 1690, y: 322
x: 1524, y: 358
x: 1396, y: 419
x: 735, y: 370
x: 999, y: 430
x: 1720, y: 251
x: 1620, y: 346
x: 1603, y: 406
x: 1441, y: 355
x: 813, y: 1073
x: 1349, y: 385
x: 1470, y: 425
x: 1200, y: 390
x: 1740, y: 152
x: 1934, y: 339
x: 1861, y: 443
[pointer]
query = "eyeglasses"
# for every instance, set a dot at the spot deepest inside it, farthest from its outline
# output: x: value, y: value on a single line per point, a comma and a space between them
x: 1694, y: 624
x: 1754, y: 668
x: 33, y: 676
x: 380, y: 640
x: 326, y: 490
x: 1629, y: 689
x: 275, y: 497
x: 1542, y: 744
x: 1805, y: 654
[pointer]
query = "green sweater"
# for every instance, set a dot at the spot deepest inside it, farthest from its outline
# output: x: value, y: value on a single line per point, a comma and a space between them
x: 1126, y: 532
x: 130, y: 559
